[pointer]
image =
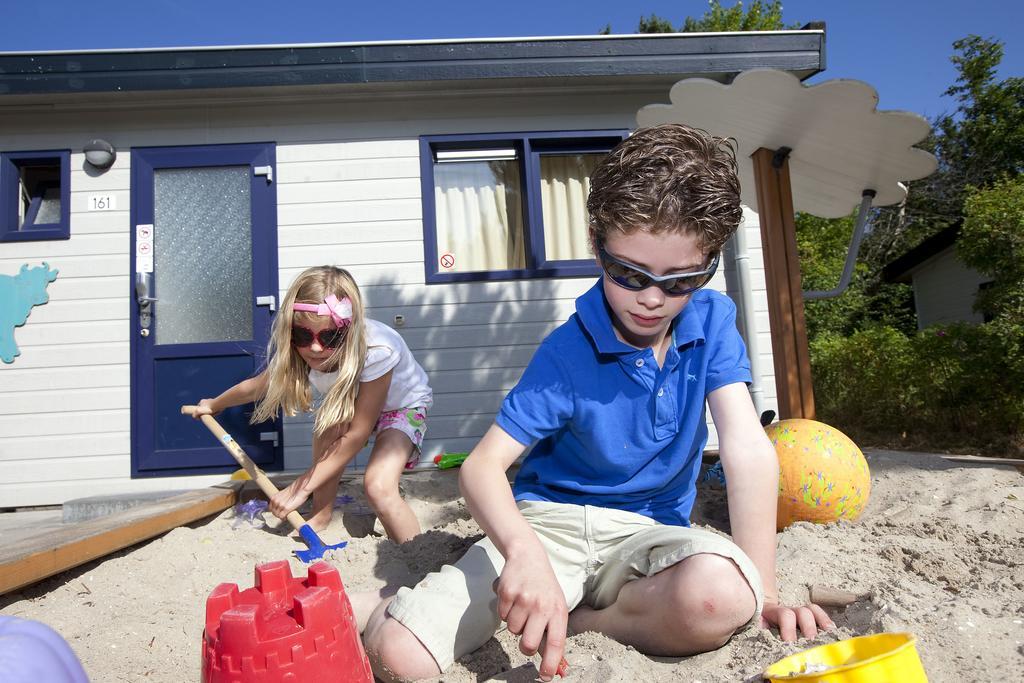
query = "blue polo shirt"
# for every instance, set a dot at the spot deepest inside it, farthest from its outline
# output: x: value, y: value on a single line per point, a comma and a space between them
x: 610, y: 427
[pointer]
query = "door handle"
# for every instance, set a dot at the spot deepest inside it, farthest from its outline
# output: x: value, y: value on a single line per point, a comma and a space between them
x: 269, y: 436
x: 143, y: 286
x: 143, y: 283
x: 268, y: 300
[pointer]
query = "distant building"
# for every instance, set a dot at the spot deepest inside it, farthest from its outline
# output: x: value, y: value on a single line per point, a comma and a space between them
x: 944, y: 288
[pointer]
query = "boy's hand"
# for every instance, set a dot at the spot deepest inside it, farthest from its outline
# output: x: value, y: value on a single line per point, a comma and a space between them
x: 204, y: 407
x: 531, y: 602
x: 289, y: 499
x: 808, y: 618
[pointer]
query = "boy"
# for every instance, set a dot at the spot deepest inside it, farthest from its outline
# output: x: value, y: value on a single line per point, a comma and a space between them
x: 594, y: 535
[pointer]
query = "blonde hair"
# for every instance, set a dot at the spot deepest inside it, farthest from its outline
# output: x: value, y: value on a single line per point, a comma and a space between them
x: 288, y: 387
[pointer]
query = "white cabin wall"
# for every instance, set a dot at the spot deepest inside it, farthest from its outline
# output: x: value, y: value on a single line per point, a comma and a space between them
x: 348, y: 193
x: 945, y: 290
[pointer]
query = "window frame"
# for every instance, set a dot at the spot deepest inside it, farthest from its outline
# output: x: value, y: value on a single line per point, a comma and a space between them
x: 529, y: 146
x: 11, y: 164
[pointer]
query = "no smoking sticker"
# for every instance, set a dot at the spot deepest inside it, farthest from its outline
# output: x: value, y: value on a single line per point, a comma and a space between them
x: 144, y: 248
x: 448, y: 261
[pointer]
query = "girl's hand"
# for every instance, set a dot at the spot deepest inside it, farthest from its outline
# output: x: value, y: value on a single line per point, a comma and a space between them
x: 531, y: 602
x: 289, y: 499
x: 205, y: 407
x: 808, y: 619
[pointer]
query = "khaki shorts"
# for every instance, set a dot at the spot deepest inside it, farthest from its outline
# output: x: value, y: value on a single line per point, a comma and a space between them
x: 594, y: 551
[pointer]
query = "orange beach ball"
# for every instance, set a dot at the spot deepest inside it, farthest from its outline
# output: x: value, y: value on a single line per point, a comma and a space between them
x: 823, y: 476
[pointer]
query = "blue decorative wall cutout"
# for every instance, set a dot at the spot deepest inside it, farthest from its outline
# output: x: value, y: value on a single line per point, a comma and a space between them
x: 18, y: 294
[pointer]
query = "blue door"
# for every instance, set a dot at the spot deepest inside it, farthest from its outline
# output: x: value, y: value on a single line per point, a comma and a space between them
x: 204, y: 264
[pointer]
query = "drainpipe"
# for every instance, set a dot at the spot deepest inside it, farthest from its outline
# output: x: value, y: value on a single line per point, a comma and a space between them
x: 851, y: 255
x: 748, y: 325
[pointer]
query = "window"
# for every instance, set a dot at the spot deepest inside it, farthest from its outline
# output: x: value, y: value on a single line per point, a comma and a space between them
x: 509, y: 206
x: 34, y: 196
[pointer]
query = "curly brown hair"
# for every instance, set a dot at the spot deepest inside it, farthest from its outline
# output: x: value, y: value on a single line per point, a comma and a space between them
x: 665, y: 178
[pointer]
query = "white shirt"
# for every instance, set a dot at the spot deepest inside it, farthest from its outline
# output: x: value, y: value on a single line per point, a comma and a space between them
x: 386, y: 350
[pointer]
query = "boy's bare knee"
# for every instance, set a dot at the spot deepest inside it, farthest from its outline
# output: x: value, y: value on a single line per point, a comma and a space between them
x: 396, y: 654
x: 714, y: 598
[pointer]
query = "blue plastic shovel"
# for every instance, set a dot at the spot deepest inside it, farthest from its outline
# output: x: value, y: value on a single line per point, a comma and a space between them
x: 317, y: 548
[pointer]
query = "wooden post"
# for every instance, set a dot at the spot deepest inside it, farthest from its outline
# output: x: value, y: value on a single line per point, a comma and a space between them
x: 782, y: 279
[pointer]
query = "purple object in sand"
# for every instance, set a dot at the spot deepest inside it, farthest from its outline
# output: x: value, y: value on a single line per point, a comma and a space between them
x: 32, y: 652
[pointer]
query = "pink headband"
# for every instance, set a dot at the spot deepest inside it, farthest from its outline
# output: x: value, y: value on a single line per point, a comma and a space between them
x: 340, y: 311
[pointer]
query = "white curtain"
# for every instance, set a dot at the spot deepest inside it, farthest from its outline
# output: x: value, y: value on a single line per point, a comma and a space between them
x: 479, y: 216
x: 565, y: 184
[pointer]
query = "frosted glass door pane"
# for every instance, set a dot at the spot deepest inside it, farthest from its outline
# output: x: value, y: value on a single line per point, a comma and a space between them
x: 202, y: 244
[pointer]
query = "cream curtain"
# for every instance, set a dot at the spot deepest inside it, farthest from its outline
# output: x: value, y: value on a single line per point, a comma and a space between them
x: 479, y: 216
x: 565, y: 184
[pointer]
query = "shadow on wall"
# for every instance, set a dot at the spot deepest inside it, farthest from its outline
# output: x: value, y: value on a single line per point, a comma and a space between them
x: 473, y: 339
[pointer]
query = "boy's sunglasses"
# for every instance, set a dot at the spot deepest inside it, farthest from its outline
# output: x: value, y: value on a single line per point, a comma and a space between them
x: 330, y: 338
x: 635, y: 278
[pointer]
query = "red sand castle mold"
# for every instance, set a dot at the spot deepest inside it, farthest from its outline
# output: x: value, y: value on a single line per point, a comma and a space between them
x: 283, y: 630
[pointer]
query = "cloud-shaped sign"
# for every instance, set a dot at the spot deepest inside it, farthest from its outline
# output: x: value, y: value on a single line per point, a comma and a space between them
x: 841, y: 145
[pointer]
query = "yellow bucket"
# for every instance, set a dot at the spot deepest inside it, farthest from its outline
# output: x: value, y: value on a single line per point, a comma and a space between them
x: 880, y: 658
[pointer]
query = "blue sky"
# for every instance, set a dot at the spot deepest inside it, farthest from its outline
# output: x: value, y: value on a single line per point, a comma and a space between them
x: 900, y: 48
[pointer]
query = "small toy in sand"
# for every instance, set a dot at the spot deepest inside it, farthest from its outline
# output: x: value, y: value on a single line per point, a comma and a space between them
x: 823, y: 476
x: 865, y: 659
x: 446, y: 461
x: 283, y: 629
x: 250, y: 513
x: 32, y: 652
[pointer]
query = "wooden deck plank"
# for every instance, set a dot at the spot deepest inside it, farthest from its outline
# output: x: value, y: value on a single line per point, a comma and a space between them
x: 984, y: 460
x: 27, y: 561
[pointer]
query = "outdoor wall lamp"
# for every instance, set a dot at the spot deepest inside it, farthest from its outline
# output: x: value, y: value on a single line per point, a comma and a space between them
x: 99, y: 154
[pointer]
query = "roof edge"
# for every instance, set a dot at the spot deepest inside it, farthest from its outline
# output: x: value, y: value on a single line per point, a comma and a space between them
x: 901, y: 269
x: 813, y: 27
x: 630, y: 56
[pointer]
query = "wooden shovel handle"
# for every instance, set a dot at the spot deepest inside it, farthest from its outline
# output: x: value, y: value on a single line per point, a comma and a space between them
x: 254, y: 472
x: 826, y: 596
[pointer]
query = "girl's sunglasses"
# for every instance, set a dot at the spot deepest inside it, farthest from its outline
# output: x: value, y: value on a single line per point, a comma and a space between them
x: 330, y: 338
x: 635, y: 278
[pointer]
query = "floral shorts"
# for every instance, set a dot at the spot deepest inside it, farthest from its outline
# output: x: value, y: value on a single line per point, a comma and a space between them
x: 410, y: 421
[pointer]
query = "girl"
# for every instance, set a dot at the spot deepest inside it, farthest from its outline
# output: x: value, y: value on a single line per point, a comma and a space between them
x: 370, y: 382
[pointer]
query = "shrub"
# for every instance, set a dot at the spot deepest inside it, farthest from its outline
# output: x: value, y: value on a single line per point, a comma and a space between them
x: 862, y: 381
x: 955, y: 386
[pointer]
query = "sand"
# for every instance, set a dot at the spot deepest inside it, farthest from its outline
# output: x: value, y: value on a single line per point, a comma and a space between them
x: 940, y: 548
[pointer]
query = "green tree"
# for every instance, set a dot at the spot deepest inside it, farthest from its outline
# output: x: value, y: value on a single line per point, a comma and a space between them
x: 759, y: 16
x: 654, y: 24
x: 992, y: 242
x: 822, y: 245
x: 981, y: 141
